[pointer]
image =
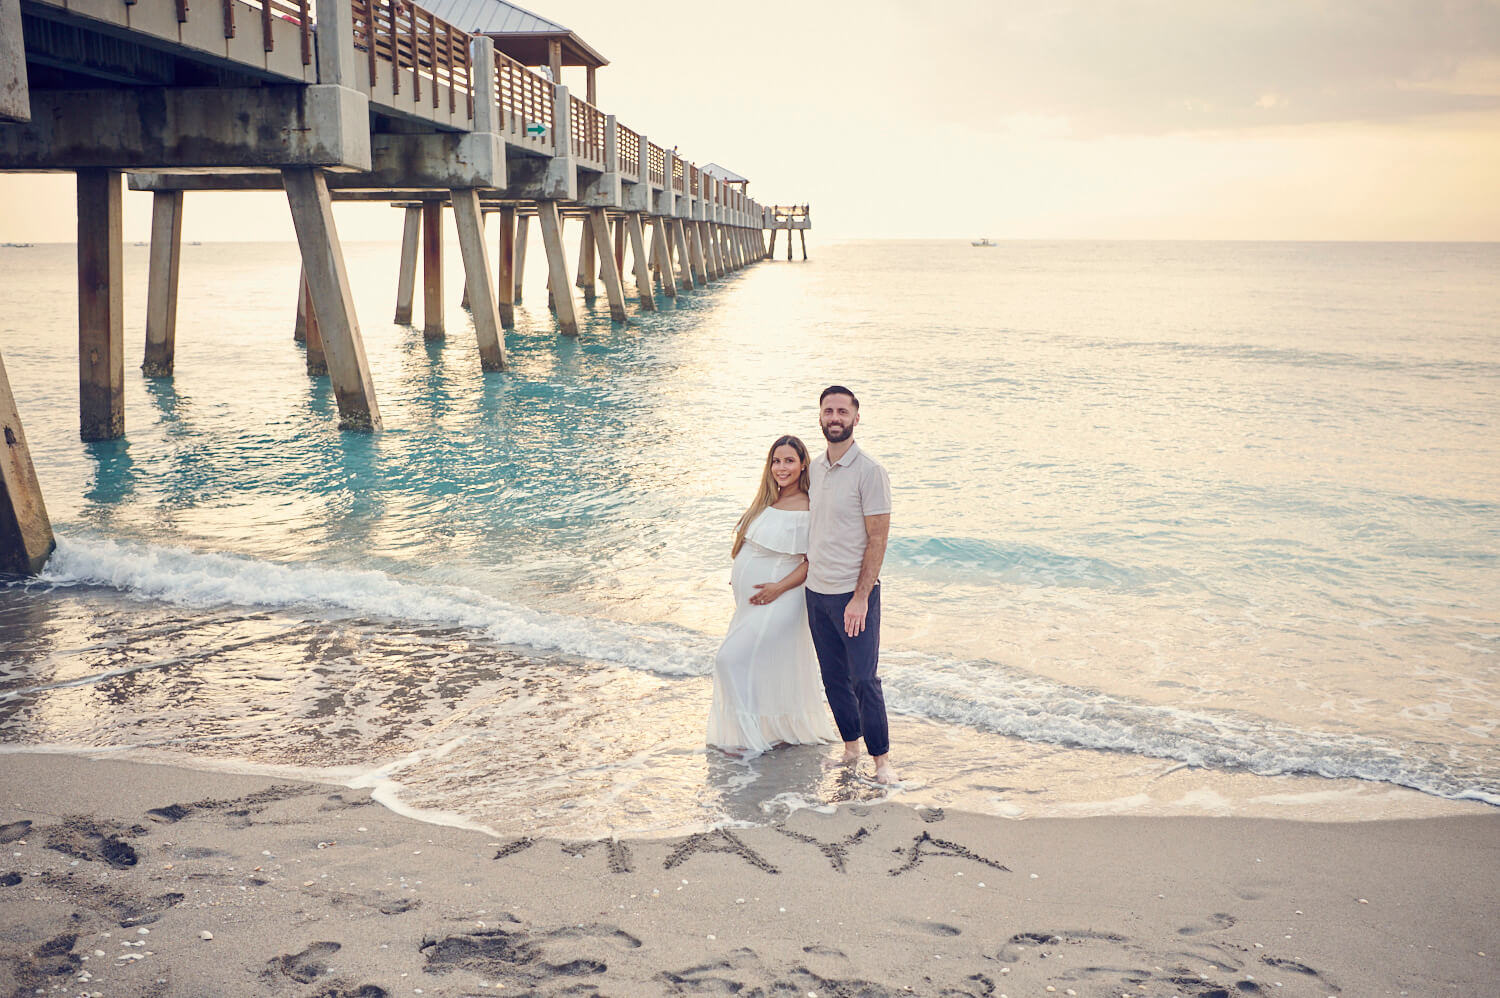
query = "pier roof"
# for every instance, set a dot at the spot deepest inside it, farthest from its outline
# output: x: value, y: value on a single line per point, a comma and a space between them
x: 724, y: 174
x: 516, y: 31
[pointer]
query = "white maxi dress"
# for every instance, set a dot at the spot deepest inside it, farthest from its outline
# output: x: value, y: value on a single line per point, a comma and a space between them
x: 767, y: 687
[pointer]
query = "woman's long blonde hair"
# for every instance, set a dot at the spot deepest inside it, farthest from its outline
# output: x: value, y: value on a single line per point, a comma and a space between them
x: 768, y: 493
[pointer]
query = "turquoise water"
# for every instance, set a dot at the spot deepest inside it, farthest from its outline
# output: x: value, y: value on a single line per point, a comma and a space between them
x: 1180, y: 527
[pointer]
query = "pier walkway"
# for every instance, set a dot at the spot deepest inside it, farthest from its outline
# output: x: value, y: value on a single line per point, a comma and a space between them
x: 335, y: 99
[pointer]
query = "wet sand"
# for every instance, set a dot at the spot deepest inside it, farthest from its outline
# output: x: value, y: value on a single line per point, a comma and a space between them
x: 122, y: 879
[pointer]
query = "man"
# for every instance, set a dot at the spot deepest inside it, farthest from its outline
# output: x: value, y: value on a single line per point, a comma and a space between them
x: 850, y: 525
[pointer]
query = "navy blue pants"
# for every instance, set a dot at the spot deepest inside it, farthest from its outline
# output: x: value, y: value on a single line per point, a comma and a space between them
x: 848, y: 666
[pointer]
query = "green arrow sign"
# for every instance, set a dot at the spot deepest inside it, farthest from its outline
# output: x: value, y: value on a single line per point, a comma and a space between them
x: 536, y: 129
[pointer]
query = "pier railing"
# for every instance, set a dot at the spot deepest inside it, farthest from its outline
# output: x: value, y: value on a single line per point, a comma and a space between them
x: 526, y: 104
x: 679, y: 176
x: 298, y: 12
x: 628, y: 152
x: 656, y: 165
x: 407, y: 37
x: 587, y: 123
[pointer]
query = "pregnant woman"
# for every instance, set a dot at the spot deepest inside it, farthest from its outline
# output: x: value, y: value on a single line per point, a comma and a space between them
x: 767, y: 688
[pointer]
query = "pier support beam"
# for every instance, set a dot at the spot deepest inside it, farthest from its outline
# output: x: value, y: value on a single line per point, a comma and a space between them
x: 557, y: 267
x: 619, y: 255
x: 328, y: 281
x: 700, y: 264
x: 661, y: 255
x: 612, y: 283
x: 523, y: 229
x: 15, y: 92
x: 25, y: 532
x: 642, y: 269
x: 432, y: 270
x: 312, y: 337
x: 299, y: 328
x: 101, y: 305
x: 505, y: 279
x: 715, y: 257
x: 771, y: 253
x: 684, y: 254
x: 587, y: 267
x: 477, y: 279
x: 161, y: 284
x: 406, y: 283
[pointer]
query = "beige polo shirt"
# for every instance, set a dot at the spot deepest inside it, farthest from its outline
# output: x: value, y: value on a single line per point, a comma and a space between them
x: 842, y: 495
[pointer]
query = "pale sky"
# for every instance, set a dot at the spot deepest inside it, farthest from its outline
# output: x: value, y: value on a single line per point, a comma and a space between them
x: 1175, y: 119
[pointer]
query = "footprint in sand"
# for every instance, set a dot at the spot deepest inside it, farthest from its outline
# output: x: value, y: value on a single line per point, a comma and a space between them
x: 170, y: 814
x: 306, y: 966
x: 82, y: 838
x: 1217, y: 922
x: 816, y: 950
x: 521, y: 955
x: 13, y: 831
x: 936, y: 928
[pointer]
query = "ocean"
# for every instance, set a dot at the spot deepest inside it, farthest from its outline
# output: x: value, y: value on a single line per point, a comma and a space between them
x: 1180, y: 528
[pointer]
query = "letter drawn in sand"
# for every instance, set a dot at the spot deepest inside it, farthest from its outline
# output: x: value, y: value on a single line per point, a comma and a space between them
x: 511, y: 848
x: 925, y: 845
x: 721, y: 840
x: 837, y: 852
x: 617, y: 852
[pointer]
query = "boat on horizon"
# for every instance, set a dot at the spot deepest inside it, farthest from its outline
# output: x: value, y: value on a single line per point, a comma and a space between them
x: 981, y: 242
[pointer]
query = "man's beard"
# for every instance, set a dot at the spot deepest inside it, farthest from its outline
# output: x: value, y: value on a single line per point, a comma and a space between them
x: 845, y: 434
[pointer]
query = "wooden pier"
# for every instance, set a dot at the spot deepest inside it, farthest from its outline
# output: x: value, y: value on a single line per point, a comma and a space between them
x: 376, y: 100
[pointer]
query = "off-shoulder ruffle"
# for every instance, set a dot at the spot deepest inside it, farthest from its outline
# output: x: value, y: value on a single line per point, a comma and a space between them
x: 780, y: 530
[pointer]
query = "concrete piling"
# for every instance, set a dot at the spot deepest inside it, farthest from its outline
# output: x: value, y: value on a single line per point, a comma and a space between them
x: 161, y: 284
x: 406, y: 283
x: 482, y: 300
x: 328, y: 282
x: 312, y: 338
x: 587, y: 255
x: 557, y: 267
x: 661, y: 255
x: 523, y: 228
x: 299, y: 328
x: 643, y: 290
x: 684, y: 254
x: 101, y: 305
x: 612, y: 283
x: 505, y: 278
x: 25, y: 531
x: 432, y: 270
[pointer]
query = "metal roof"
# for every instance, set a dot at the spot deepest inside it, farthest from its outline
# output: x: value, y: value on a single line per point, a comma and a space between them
x: 476, y: 16
x: 517, y: 31
x: 725, y: 174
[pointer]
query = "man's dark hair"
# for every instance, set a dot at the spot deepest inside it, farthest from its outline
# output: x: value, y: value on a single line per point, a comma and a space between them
x: 838, y: 390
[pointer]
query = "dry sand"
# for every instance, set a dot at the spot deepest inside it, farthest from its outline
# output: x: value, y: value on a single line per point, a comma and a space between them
x: 116, y: 874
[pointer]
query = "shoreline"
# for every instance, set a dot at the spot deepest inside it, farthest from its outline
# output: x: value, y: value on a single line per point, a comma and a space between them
x: 315, y: 889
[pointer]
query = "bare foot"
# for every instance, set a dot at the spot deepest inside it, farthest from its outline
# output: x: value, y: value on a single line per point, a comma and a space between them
x: 849, y: 758
x: 883, y: 771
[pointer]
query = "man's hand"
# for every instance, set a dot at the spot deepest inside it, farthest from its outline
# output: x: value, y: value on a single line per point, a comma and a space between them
x: 854, y: 615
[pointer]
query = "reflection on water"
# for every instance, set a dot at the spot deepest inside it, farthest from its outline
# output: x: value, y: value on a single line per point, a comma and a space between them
x: 1223, y: 505
x: 458, y: 728
x: 114, y: 475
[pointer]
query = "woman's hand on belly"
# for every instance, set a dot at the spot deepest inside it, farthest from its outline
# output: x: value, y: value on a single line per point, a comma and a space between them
x: 766, y: 592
